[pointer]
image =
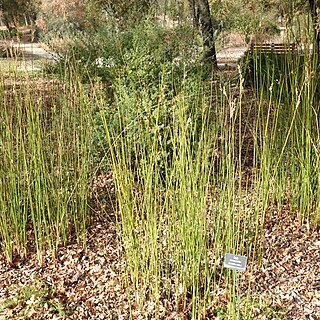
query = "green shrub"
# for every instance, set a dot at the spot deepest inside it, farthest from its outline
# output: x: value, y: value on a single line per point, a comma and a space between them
x: 142, y: 67
x: 148, y: 77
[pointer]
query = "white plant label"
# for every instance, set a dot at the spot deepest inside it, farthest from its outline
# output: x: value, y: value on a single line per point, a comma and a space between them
x: 235, y: 262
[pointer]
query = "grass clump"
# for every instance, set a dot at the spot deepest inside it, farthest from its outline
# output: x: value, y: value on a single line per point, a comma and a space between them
x: 174, y: 232
x: 43, y: 180
x: 289, y: 98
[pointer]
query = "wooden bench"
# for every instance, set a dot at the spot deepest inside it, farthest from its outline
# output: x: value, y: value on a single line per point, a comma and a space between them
x: 276, y: 48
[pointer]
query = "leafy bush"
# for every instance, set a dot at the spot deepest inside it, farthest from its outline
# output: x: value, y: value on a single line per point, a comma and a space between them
x: 144, y: 67
x: 106, y: 52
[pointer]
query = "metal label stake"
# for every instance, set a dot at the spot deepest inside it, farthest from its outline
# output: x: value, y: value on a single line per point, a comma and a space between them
x: 237, y: 263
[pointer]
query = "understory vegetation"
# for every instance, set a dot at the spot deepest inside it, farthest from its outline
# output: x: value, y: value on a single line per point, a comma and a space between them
x: 198, y: 158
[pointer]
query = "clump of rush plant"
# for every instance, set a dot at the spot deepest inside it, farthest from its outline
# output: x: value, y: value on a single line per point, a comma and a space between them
x: 288, y: 115
x: 45, y: 165
x: 179, y: 214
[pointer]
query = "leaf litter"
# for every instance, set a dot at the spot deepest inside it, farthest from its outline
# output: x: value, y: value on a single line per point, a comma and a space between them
x: 87, y: 283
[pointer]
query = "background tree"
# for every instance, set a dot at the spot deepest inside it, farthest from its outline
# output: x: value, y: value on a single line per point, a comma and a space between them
x: 207, y: 31
x: 59, y: 18
x: 314, y: 5
x: 16, y: 12
x: 126, y: 12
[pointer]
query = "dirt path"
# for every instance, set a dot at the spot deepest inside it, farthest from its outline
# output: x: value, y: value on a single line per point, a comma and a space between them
x: 227, y: 57
x: 230, y: 56
x: 33, y: 50
x: 26, y: 56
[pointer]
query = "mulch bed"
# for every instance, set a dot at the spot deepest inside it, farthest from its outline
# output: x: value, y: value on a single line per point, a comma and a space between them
x: 288, y: 279
x: 78, y: 284
x: 86, y: 284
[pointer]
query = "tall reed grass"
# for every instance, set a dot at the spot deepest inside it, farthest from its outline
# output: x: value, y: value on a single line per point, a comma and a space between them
x: 178, y: 219
x: 288, y: 116
x: 44, y: 141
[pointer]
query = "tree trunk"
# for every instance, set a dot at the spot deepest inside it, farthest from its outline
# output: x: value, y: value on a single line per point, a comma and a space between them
x: 179, y: 12
x: 9, y: 22
x: 314, y: 14
x: 207, y: 32
x: 194, y: 14
x: 165, y: 12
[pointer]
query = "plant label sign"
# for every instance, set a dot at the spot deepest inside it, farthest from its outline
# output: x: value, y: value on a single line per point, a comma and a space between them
x: 235, y: 262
